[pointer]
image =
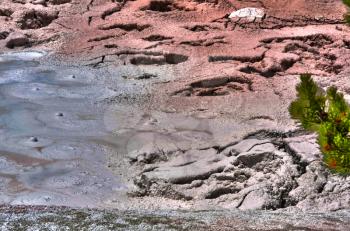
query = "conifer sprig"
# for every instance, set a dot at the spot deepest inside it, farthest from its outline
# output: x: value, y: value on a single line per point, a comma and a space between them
x: 347, y: 15
x: 328, y: 114
x: 309, y: 108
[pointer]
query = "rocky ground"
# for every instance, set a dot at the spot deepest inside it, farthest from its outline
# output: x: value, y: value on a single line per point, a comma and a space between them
x: 207, y: 124
x: 63, y: 218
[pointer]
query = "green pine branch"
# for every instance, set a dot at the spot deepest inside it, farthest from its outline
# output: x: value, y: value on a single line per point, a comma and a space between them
x: 309, y: 108
x: 328, y: 114
x: 347, y: 15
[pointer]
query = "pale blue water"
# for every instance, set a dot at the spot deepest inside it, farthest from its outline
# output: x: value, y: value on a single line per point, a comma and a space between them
x: 51, y: 134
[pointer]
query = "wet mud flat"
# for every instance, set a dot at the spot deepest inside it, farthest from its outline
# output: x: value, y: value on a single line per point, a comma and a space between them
x: 57, y: 130
x: 53, y: 138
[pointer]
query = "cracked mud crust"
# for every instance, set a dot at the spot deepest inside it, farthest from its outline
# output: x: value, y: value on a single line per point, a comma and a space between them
x: 265, y: 170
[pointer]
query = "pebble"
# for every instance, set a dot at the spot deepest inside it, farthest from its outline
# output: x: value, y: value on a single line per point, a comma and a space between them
x: 34, y: 139
x: 39, y: 2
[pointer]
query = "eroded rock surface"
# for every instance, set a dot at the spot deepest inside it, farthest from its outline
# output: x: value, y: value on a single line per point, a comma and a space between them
x: 263, y: 171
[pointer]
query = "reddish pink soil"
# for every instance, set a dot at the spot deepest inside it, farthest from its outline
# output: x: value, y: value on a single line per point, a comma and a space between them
x: 251, y: 66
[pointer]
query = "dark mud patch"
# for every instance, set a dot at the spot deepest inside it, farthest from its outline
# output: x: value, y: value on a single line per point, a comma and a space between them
x: 157, y: 37
x: 110, y: 11
x: 225, y: 58
x: 216, y: 86
x: 4, y: 12
x: 205, y: 42
x: 35, y: 19
x: 4, y: 34
x: 167, y: 58
x: 126, y: 26
x: 316, y: 40
x: 59, y: 2
x: 165, y: 6
x: 201, y: 27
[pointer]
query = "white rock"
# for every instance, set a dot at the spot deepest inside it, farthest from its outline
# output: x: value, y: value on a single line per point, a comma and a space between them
x: 249, y: 13
x: 347, y: 98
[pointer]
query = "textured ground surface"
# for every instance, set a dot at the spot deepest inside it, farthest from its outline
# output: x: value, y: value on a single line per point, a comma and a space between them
x: 199, y: 109
x: 60, y: 218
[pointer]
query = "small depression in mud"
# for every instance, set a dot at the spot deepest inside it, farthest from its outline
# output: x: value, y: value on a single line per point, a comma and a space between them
x: 53, y: 138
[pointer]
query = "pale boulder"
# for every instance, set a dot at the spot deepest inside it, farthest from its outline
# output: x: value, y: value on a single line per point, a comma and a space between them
x: 249, y: 13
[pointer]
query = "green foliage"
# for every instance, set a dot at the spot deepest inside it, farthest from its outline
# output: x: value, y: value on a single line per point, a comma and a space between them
x: 347, y: 2
x: 310, y: 106
x: 347, y: 15
x: 328, y: 114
